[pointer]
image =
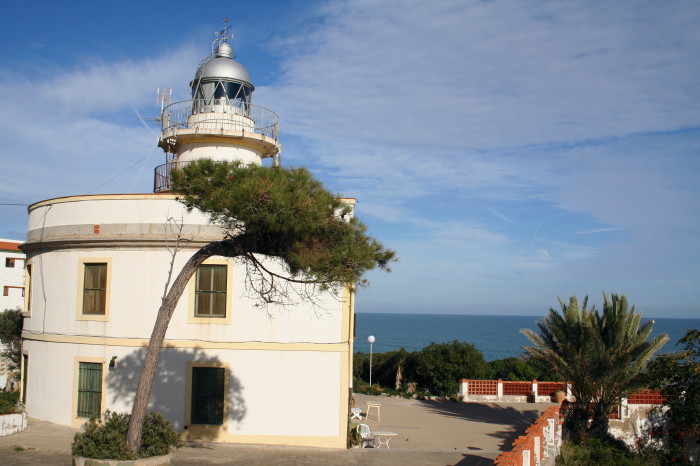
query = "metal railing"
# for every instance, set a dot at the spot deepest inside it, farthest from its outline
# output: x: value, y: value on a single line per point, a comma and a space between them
x: 221, y: 114
x: 161, y: 176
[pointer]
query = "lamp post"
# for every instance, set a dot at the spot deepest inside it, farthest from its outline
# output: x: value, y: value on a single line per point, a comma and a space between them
x: 370, y: 339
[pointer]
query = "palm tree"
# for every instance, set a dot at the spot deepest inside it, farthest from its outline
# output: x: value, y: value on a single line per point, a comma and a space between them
x: 600, y: 354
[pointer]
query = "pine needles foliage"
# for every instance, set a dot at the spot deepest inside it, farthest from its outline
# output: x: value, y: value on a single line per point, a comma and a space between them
x: 284, y: 213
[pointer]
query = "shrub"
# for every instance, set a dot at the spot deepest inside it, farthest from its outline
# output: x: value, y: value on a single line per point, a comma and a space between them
x: 513, y: 369
x: 11, y: 322
x: 594, y: 451
x: 354, y: 437
x: 8, y: 402
x: 439, y: 366
x: 107, y: 440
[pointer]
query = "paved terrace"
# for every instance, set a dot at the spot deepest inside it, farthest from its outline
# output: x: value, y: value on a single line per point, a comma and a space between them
x: 429, y: 433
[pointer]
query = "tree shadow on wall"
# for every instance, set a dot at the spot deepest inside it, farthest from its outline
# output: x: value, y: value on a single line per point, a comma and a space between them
x: 169, y: 386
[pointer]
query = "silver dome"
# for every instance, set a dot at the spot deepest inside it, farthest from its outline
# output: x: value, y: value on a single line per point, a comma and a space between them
x: 223, y: 68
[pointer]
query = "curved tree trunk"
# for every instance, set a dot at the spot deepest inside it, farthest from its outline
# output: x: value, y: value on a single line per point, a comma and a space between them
x: 228, y: 248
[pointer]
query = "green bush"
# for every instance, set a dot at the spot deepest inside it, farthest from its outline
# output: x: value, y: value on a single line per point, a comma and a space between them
x: 513, y: 369
x: 594, y: 451
x: 354, y: 437
x: 107, y: 440
x: 8, y: 402
x: 11, y: 322
x: 439, y: 366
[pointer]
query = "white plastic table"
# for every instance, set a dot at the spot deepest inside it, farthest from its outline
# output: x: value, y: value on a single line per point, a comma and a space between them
x: 371, y: 405
x: 383, y: 437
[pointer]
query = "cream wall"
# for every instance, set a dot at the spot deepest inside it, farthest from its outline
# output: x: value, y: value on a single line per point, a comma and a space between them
x: 271, y: 393
x: 218, y: 151
x: 289, y: 368
x: 142, y: 209
x: 136, y: 287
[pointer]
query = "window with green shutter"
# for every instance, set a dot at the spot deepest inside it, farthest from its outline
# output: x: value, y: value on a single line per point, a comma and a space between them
x: 95, y: 289
x: 25, y: 375
x: 207, y: 395
x: 210, y: 291
x: 89, y: 389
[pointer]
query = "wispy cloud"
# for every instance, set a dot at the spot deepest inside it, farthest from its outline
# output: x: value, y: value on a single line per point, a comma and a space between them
x: 460, y: 127
x: 581, y: 115
x: 596, y: 231
x: 74, y: 129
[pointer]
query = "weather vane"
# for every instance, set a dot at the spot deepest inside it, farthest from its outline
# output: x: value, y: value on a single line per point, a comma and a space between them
x: 221, y: 36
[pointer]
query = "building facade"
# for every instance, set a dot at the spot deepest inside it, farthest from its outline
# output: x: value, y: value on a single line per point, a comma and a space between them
x: 230, y: 370
x: 12, y: 284
x: 11, y: 274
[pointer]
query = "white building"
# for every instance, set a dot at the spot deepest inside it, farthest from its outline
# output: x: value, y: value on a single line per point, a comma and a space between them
x: 12, y: 285
x: 11, y: 274
x: 229, y: 371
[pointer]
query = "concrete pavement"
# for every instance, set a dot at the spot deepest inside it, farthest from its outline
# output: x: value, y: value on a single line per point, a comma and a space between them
x: 428, y: 433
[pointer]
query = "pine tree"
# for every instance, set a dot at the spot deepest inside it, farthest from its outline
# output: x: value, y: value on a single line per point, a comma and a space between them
x: 286, y: 216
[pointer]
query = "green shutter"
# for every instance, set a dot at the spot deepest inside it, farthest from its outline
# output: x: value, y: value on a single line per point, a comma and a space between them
x: 207, y: 395
x: 25, y: 376
x: 89, y: 389
x: 210, y: 291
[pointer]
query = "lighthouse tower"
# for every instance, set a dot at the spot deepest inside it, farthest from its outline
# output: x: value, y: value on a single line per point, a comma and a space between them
x: 96, y: 269
x: 220, y: 122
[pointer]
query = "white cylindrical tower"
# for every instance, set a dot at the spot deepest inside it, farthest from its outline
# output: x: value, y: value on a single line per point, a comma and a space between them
x: 219, y: 122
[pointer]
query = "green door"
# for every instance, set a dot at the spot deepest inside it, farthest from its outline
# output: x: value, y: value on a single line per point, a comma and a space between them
x: 90, y: 389
x: 207, y: 395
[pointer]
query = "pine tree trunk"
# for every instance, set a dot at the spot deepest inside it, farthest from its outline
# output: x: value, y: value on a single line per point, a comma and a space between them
x: 228, y: 248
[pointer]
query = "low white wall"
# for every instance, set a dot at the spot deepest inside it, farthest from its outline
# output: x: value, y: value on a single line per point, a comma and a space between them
x: 499, y: 396
x: 12, y: 423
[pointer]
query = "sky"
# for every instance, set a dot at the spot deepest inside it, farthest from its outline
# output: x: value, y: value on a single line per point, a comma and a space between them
x: 511, y: 152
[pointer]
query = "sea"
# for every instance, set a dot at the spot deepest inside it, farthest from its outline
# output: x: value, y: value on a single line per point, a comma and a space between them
x: 496, y: 336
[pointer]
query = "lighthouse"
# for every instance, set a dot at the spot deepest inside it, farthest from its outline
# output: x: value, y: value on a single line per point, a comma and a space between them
x: 219, y: 122
x: 96, y: 269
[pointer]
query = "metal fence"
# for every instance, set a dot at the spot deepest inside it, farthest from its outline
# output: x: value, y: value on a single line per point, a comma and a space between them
x: 259, y: 120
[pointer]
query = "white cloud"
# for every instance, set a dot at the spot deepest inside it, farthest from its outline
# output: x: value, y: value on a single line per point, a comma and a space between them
x: 597, y: 230
x: 459, y: 126
x: 71, y: 130
x: 570, y: 112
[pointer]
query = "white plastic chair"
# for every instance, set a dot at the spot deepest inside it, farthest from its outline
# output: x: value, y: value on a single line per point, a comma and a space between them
x: 366, y: 434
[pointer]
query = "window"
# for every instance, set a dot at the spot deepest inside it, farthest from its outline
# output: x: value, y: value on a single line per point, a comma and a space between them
x: 94, y: 290
x: 10, y: 262
x: 6, y: 290
x: 28, y: 290
x: 208, y: 389
x: 89, y: 389
x: 210, y: 291
x: 25, y: 375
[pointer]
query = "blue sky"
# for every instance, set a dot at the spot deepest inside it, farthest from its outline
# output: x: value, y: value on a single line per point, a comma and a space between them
x: 512, y: 152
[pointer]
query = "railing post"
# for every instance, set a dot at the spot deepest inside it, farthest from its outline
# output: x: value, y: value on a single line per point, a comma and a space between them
x: 624, y: 408
x: 464, y: 389
x: 499, y: 390
x: 534, y: 391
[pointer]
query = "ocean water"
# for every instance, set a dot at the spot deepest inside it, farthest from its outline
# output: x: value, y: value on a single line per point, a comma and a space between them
x: 497, y: 337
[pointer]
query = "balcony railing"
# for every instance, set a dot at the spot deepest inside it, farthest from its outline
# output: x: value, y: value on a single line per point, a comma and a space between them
x: 221, y: 114
x: 161, y: 176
